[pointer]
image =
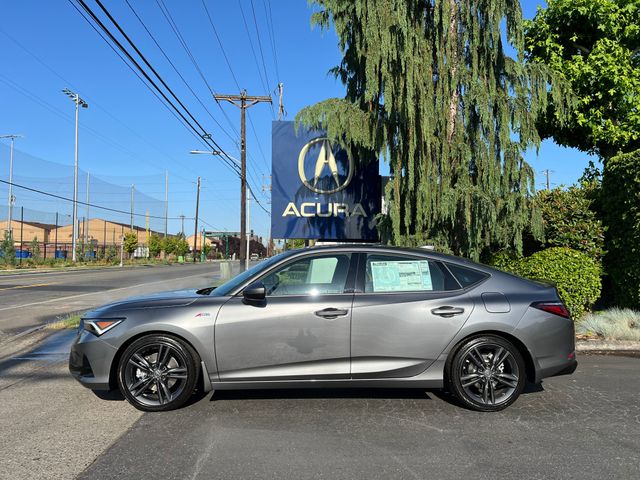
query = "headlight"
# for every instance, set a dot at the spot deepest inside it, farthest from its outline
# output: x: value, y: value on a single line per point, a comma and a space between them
x: 99, y: 326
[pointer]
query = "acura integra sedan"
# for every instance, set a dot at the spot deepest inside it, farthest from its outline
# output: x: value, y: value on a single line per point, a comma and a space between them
x: 331, y: 317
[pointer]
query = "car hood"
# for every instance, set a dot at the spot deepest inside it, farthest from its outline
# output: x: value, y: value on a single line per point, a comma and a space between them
x: 173, y: 298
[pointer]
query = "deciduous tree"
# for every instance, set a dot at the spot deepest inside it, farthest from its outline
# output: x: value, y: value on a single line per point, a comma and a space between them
x: 595, y: 45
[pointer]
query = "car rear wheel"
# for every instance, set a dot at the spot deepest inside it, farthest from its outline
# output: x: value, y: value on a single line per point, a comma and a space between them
x: 487, y: 373
x: 158, y: 373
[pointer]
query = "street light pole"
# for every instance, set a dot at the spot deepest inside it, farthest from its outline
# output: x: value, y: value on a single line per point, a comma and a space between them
x: 10, y: 213
x: 79, y: 103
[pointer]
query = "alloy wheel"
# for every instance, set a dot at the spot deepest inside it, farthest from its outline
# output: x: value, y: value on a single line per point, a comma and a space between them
x: 156, y: 374
x: 489, y: 374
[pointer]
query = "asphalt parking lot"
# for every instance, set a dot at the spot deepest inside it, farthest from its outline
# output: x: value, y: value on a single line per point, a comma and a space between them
x: 581, y: 426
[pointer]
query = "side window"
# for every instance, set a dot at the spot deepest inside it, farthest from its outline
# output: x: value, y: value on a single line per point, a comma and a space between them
x: 466, y: 276
x: 391, y: 273
x: 317, y: 275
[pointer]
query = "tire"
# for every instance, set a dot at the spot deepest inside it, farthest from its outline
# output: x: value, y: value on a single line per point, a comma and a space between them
x: 486, y: 373
x: 158, y: 373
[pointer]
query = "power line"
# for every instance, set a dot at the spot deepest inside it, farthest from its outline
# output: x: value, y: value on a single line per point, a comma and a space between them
x: 93, y: 102
x: 264, y: 65
x: 253, y: 51
x: 82, y: 14
x: 174, y: 26
x: 272, y: 37
x: 201, y: 134
x: 92, y: 205
x: 224, y: 53
x: 198, y: 130
x: 178, y: 71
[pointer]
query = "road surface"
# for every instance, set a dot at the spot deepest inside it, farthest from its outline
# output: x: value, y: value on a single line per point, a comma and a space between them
x: 27, y: 300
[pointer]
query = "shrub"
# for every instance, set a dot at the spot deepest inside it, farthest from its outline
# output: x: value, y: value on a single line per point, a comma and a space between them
x: 506, y: 260
x: 621, y: 215
x: 570, y: 222
x: 7, y: 250
x: 575, y: 274
x: 612, y: 324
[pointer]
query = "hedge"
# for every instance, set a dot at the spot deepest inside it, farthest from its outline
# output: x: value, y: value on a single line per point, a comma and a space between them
x: 575, y: 274
x: 621, y: 216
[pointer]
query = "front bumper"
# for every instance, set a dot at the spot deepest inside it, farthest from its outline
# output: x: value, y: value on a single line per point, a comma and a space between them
x: 90, y: 361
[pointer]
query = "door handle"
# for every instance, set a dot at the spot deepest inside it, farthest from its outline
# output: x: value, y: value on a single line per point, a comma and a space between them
x: 331, y: 313
x: 447, y: 311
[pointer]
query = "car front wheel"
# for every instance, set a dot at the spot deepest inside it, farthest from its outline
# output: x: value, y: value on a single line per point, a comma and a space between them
x: 487, y: 373
x: 158, y: 373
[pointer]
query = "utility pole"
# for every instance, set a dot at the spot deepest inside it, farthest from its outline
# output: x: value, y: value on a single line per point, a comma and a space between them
x: 132, y: 193
x: 246, y: 260
x: 266, y: 187
x: 182, y: 218
x: 195, y: 234
x: 243, y: 101
x: 166, y: 202
x: 547, y: 174
x: 281, y: 111
x: 11, y: 199
x: 74, y: 238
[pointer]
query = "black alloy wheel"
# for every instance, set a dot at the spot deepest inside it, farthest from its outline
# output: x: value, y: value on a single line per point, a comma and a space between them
x: 158, y: 373
x: 486, y: 373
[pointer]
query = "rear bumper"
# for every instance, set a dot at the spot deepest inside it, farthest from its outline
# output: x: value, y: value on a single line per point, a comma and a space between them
x: 568, y: 370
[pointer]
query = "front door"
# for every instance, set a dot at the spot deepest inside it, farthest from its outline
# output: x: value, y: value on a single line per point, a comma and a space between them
x: 302, y: 330
x: 409, y: 310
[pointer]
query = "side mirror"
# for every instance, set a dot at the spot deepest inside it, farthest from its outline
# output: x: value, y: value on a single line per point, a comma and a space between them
x: 256, y: 292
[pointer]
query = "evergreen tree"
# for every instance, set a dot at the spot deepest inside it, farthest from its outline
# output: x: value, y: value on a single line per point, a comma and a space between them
x: 430, y: 86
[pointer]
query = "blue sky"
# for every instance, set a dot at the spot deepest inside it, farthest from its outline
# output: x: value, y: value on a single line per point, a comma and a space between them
x: 127, y: 136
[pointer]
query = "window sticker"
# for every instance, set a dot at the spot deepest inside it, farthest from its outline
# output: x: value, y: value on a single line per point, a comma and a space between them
x: 403, y: 276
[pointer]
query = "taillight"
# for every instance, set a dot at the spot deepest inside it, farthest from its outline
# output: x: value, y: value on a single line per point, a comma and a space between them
x: 557, y: 308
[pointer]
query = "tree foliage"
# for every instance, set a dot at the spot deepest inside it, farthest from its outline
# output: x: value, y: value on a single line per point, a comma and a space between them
x: 430, y: 87
x: 169, y: 245
x: 181, y: 246
x: 595, y: 45
x: 155, y: 245
x: 8, y: 250
x: 570, y: 222
x: 130, y: 242
x: 621, y: 215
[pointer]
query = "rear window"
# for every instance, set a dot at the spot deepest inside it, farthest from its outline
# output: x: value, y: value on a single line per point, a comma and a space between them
x: 392, y: 273
x: 466, y: 276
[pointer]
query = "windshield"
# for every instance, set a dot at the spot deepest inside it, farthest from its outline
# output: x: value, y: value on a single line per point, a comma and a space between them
x: 238, y: 280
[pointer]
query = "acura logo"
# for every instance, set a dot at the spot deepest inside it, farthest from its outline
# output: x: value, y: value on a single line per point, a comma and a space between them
x: 324, y: 161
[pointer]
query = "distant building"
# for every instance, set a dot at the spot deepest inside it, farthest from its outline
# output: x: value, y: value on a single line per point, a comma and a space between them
x: 28, y: 230
x: 101, y: 232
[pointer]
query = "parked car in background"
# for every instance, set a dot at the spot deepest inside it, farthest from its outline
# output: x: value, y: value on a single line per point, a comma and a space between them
x: 254, y: 257
x: 337, y: 316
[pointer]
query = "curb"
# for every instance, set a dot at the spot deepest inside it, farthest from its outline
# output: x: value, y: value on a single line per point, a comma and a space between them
x: 607, y: 346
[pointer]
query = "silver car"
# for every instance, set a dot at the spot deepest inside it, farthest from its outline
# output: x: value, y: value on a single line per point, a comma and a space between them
x: 331, y: 317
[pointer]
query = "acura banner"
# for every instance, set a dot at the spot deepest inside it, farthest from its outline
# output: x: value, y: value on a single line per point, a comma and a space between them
x: 318, y: 192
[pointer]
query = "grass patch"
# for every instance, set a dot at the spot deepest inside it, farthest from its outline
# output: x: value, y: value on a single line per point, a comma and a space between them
x: 68, y: 322
x: 612, y: 324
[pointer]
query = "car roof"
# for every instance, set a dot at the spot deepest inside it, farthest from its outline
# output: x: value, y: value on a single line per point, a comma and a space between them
x: 373, y: 247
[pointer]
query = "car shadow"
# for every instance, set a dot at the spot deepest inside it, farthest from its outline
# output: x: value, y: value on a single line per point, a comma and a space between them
x: 318, y: 393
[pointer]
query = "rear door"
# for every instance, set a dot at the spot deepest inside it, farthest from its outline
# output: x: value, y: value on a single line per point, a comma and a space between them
x: 301, y: 332
x: 407, y: 310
